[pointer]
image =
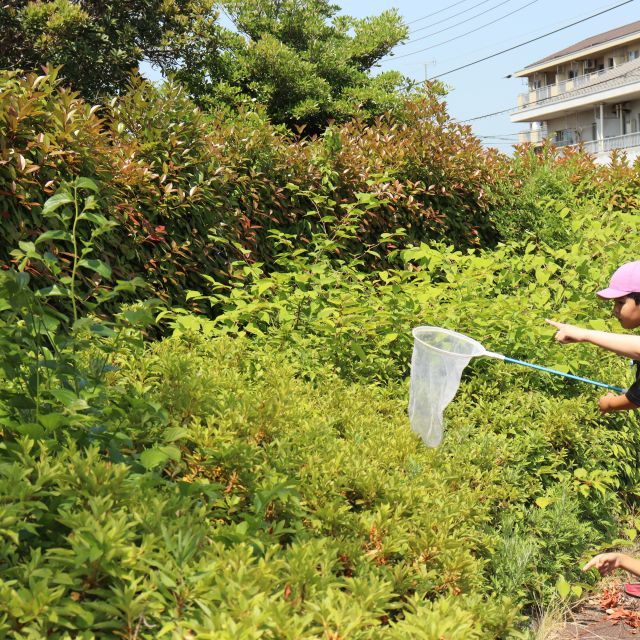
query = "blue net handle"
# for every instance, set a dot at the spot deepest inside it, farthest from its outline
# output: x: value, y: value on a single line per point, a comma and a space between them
x: 499, y: 356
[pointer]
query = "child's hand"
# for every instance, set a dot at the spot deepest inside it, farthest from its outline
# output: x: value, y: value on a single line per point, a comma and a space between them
x: 604, y: 403
x: 604, y: 563
x: 567, y: 333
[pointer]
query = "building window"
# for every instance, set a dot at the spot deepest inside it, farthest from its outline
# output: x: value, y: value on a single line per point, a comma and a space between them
x: 610, y: 63
x: 572, y: 74
x: 564, y: 136
x: 633, y: 55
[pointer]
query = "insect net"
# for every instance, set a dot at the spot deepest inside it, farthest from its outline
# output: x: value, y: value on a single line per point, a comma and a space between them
x: 439, y: 357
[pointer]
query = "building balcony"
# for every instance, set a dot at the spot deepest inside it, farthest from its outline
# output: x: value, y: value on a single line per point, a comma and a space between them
x: 606, y: 145
x: 562, y: 97
x: 629, y: 142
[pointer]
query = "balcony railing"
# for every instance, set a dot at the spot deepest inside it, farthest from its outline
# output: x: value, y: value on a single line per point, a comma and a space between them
x: 605, y: 145
x: 626, y: 141
x: 550, y: 90
x: 581, y: 85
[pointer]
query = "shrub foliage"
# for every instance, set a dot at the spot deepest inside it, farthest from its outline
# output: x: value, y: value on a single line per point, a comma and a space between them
x: 190, y: 194
x: 252, y: 474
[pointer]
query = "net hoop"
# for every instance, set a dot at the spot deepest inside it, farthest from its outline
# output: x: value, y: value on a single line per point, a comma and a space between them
x: 478, y: 349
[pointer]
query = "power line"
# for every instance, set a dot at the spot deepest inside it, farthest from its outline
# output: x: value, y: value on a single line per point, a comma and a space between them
x: 456, y: 58
x: 453, y: 59
x: 488, y: 115
x: 522, y: 44
x: 506, y: 15
x: 517, y: 46
x: 453, y: 26
x: 435, y: 13
x: 499, y: 136
x: 497, y: 143
x: 455, y: 15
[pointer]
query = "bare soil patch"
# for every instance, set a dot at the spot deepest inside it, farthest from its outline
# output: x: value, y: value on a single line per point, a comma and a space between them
x: 609, y: 615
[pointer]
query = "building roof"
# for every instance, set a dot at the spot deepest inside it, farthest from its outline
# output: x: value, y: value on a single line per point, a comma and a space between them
x: 593, y: 41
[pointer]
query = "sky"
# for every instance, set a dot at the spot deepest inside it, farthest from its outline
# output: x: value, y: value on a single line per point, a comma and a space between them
x: 485, y: 87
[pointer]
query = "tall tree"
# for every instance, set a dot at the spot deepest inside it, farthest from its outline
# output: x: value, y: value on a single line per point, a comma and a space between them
x: 301, y: 59
x: 100, y: 42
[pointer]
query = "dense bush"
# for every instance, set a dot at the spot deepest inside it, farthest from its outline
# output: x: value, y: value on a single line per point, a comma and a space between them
x: 253, y: 475
x: 314, y: 508
x: 546, y: 187
x: 332, y: 312
x: 191, y: 193
x: 310, y: 505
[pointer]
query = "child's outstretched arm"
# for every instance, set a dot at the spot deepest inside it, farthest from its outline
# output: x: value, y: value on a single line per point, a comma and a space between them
x: 608, y: 562
x: 622, y: 344
x: 612, y: 402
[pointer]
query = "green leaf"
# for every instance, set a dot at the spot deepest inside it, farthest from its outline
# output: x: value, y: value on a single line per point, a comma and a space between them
x: 96, y: 265
x: 54, y: 202
x: 69, y: 400
x: 99, y: 329
x: 176, y: 433
x: 54, y: 234
x: 543, y: 502
x: 52, y: 421
x: 138, y: 316
x: 22, y: 279
x: 53, y: 290
x: 27, y: 247
x: 563, y: 587
x: 31, y: 429
x: 49, y: 321
x: 97, y: 219
x: 171, y: 451
x: 86, y: 183
x: 598, y: 324
x: 359, y: 351
x: 542, y: 276
x: 152, y: 458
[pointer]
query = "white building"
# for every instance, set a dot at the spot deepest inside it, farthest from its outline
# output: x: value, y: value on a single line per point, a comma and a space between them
x: 588, y: 93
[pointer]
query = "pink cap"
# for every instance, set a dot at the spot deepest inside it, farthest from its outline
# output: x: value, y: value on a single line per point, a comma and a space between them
x: 624, y: 281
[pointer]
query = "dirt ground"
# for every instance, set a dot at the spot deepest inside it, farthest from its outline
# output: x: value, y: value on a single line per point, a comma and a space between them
x: 610, y: 615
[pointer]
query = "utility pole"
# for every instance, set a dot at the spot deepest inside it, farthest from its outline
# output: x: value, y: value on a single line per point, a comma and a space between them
x: 426, y: 76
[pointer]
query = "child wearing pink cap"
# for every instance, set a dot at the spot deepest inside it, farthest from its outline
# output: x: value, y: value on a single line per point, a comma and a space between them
x: 624, y: 290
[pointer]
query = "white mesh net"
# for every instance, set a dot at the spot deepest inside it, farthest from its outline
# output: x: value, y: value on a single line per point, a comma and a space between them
x: 439, y: 357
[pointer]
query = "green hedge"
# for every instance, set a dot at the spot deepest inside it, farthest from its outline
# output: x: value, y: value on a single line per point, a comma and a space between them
x: 192, y: 192
x: 264, y: 506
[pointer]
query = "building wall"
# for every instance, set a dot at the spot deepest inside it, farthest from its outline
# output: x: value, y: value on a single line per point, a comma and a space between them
x: 580, y: 126
x: 579, y: 123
